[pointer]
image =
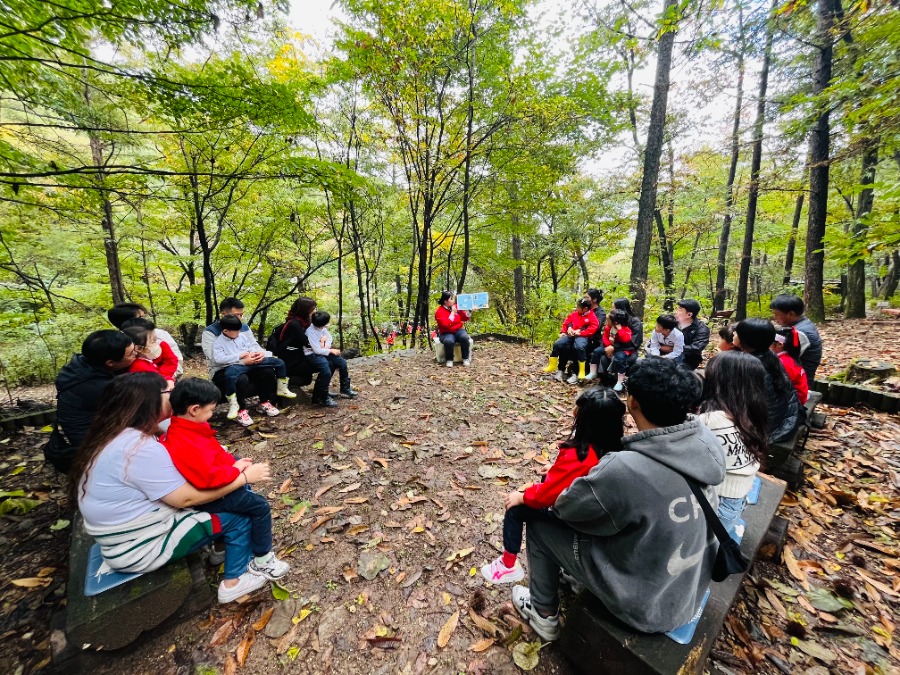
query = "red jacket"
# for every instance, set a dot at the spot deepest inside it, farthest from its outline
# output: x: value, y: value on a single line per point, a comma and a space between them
x: 565, y: 469
x: 197, y: 454
x: 586, y: 323
x: 796, y: 375
x: 623, y: 336
x: 447, y: 325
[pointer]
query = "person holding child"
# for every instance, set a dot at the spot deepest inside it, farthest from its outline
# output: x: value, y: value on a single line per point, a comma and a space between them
x: 621, y: 338
x: 787, y: 310
x: 597, y: 429
x: 198, y: 456
x: 237, y: 352
x: 450, y: 329
x: 122, y: 314
x: 666, y: 340
x: 628, y: 530
x: 318, y: 347
x: 574, y: 335
x: 787, y: 349
x: 738, y: 415
x: 137, y: 505
x: 293, y: 344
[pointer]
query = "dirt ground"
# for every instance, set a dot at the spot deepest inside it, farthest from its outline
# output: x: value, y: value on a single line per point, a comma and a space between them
x: 405, y: 485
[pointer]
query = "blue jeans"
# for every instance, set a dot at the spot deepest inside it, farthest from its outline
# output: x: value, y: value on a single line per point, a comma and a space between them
x: 246, y: 502
x: 730, y: 511
x: 235, y: 530
x: 339, y: 365
x: 320, y: 365
x: 619, y: 364
x: 514, y: 524
x: 232, y: 373
x: 451, y: 339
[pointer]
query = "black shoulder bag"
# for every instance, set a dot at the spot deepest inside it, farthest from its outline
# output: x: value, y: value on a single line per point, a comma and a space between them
x: 729, y: 559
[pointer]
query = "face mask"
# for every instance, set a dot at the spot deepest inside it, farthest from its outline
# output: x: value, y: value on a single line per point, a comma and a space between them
x: 154, y: 352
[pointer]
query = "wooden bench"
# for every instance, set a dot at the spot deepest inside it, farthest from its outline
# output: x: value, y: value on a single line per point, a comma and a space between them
x: 108, y: 617
x: 720, y: 318
x: 784, y: 459
x: 596, y: 642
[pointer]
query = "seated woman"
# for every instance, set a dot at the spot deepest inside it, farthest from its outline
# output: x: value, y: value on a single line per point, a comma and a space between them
x: 618, y: 355
x: 787, y: 348
x: 450, y: 328
x: 137, y: 505
x: 755, y: 337
x: 291, y: 345
x: 735, y: 409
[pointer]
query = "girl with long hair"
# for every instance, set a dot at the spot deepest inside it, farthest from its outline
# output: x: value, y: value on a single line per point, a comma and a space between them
x: 755, y: 337
x: 734, y: 407
x: 787, y: 348
x: 134, y: 501
x: 597, y: 429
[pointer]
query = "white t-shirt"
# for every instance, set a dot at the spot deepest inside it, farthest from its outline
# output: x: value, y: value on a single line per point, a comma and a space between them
x: 128, y: 479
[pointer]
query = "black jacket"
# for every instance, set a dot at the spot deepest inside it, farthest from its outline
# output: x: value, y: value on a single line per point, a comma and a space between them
x: 696, y: 337
x: 784, y: 406
x: 291, y: 342
x: 79, y: 390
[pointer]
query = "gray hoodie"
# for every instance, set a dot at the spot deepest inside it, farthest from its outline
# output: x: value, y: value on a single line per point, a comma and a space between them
x: 649, y: 554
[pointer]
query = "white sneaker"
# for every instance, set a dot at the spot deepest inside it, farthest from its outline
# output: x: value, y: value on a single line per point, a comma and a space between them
x: 467, y: 362
x: 546, y: 627
x: 247, y: 583
x: 283, y: 390
x: 618, y: 387
x: 590, y: 376
x: 449, y: 364
x: 272, y: 569
x: 269, y: 409
x: 243, y: 418
x: 498, y: 573
x: 573, y: 379
x: 558, y: 376
x: 233, y: 407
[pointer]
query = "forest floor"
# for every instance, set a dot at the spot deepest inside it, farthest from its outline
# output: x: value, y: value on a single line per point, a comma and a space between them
x: 387, y: 506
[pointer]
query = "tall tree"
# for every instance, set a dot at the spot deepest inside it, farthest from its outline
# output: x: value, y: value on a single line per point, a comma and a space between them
x: 640, y: 262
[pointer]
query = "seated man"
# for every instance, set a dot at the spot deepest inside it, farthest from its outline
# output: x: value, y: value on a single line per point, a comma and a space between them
x: 632, y: 532
x: 82, y: 381
x: 787, y: 310
x: 696, y: 333
x: 263, y: 380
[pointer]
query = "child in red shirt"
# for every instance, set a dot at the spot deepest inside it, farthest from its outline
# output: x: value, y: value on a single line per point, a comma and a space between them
x: 153, y: 356
x: 598, y: 430
x: 206, y: 465
x: 787, y: 347
x: 574, y: 335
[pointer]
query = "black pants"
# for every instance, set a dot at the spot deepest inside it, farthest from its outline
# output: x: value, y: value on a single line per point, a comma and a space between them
x: 514, y: 524
x: 259, y: 381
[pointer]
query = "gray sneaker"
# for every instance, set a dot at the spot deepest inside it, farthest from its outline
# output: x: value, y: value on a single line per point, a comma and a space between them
x: 573, y: 379
x: 546, y: 627
x: 558, y: 376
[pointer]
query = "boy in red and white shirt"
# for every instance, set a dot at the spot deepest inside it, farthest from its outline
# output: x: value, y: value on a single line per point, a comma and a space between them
x: 574, y: 336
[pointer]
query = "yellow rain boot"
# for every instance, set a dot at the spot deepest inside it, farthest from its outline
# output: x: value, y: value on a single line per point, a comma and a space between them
x: 581, y: 370
x: 552, y: 365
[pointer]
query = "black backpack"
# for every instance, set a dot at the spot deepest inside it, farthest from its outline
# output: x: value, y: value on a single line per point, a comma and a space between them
x: 274, y: 342
x: 58, y: 452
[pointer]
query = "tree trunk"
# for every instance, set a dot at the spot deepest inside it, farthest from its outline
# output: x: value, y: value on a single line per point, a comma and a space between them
x: 640, y: 261
x: 518, y: 276
x: 892, y: 278
x: 856, y: 275
x: 719, y: 296
x: 755, y: 164
x: 110, y: 244
x: 360, y: 285
x: 666, y: 259
x: 819, y: 151
x: 467, y: 167
x: 792, y: 241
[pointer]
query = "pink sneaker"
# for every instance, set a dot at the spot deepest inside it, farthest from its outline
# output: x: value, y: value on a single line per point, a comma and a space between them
x: 269, y: 409
x: 498, y: 573
x: 243, y: 418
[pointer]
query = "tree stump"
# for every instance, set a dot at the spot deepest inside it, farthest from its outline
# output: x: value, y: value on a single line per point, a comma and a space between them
x: 870, y: 370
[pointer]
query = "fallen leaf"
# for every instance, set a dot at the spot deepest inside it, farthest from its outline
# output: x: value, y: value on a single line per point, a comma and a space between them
x: 285, y: 486
x: 481, y: 645
x: 525, y: 654
x: 243, y: 648
x: 796, y: 571
x: 299, y: 513
x: 32, y: 582
x: 322, y: 490
x: 264, y: 619
x: 814, y: 649
x: 222, y: 634
x: 350, y: 488
x: 485, y: 625
x: 356, y: 500
x: 447, y: 630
